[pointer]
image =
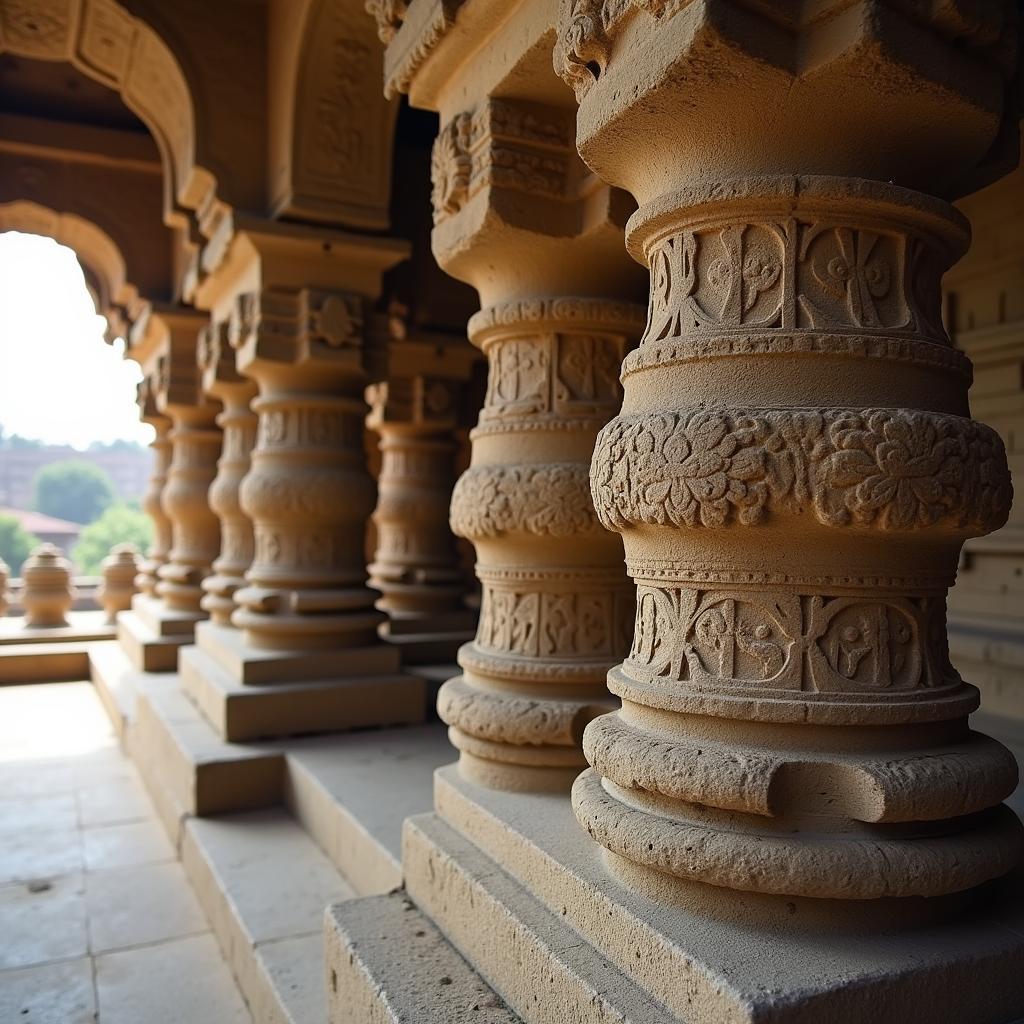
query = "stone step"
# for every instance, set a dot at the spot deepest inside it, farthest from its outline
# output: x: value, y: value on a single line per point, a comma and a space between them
x: 388, y: 964
x: 187, y: 768
x: 353, y: 792
x: 531, y: 957
x: 147, y: 650
x: 264, y: 885
x: 44, y: 662
x: 117, y: 683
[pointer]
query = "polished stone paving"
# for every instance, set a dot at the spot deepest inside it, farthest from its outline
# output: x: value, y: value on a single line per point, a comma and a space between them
x: 97, y: 920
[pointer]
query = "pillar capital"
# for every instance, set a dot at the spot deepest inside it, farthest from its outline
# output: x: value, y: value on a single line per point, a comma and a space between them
x: 312, y: 333
x: 423, y: 387
x: 889, y: 71
x: 506, y: 180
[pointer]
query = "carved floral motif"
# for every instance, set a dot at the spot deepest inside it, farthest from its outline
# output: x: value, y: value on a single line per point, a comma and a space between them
x: 550, y: 499
x: 502, y: 144
x: 894, y: 469
x: 450, y: 167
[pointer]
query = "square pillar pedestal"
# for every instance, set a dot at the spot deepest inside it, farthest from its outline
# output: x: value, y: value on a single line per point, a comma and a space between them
x: 247, y: 693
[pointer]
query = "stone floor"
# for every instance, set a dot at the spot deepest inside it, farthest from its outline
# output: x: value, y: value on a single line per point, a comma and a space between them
x: 97, y: 921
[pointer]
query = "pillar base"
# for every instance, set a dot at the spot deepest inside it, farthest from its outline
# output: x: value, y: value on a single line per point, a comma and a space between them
x: 432, y: 640
x: 518, y: 866
x: 248, y: 694
x: 151, y: 633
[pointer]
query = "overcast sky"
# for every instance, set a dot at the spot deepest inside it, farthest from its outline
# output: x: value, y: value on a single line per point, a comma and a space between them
x: 60, y: 381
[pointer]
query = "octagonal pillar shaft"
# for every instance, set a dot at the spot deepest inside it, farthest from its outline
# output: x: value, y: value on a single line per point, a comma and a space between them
x: 195, y: 530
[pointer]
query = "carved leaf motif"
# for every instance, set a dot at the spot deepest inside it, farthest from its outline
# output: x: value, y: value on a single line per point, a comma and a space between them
x: 893, y: 469
x: 550, y: 499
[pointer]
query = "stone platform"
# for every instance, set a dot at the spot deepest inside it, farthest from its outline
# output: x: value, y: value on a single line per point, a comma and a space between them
x: 524, y: 894
x: 271, y: 833
x: 51, y: 654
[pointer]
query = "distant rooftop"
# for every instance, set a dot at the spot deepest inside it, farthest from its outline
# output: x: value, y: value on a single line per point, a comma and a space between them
x: 37, y: 523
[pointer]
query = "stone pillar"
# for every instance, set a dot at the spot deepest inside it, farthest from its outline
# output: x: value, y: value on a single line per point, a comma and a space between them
x: 47, y: 594
x: 120, y: 572
x: 556, y: 603
x: 164, y: 618
x: 308, y: 492
x: 416, y: 565
x: 195, y: 529
x: 794, y: 470
x: 5, y: 575
x: 152, y: 501
x: 238, y: 422
x: 306, y: 628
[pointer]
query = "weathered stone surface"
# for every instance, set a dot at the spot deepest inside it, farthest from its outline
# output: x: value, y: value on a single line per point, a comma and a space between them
x: 554, y: 611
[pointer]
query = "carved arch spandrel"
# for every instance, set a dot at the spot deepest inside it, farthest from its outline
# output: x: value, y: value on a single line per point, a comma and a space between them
x: 332, y: 131
x: 106, y: 43
x: 118, y: 299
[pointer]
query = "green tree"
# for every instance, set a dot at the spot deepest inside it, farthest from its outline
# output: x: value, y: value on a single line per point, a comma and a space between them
x: 16, y: 543
x: 72, y: 489
x: 120, y: 524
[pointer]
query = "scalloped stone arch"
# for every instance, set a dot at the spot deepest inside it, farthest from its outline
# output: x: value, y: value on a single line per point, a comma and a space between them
x: 118, y: 299
x: 102, y: 40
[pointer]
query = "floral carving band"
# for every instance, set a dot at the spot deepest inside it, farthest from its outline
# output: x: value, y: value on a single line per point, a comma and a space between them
x: 547, y: 499
x: 890, y: 469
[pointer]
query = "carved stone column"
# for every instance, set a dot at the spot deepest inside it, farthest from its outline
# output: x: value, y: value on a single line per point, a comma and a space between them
x: 416, y: 565
x: 305, y: 655
x: 793, y: 475
x: 195, y: 529
x: 308, y: 492
x: 556, y: 605
x: 789, y: 819
x: 223, y: 382
x: 152, y: 501
x: 163, y: 620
